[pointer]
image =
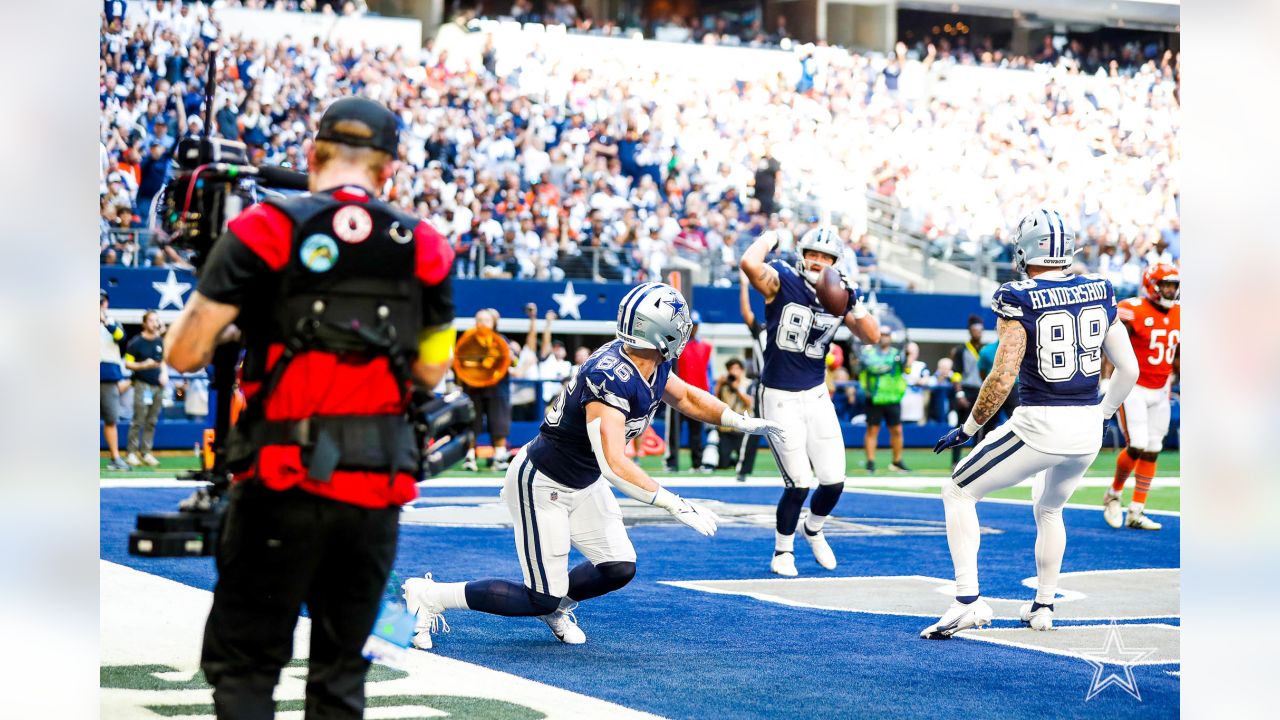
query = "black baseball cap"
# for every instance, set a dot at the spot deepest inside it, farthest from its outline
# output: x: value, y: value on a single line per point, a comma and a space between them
x: 386, y: 131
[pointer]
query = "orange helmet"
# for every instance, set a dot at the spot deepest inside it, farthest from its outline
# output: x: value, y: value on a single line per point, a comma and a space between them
x: 1158, y: 275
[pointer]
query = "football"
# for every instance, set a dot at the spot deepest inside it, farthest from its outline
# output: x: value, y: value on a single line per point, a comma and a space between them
x: 832, y: 293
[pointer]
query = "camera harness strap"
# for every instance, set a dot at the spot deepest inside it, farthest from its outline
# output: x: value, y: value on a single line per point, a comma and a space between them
x: 356, y: 293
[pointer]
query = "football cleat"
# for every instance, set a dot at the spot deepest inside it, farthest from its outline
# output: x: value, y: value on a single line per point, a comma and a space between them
x: 821, y: 550
x: 1041, y: 619
x: 564, y: 625
x: 959, y: 616
x: 784, y: 563
x: 1111, y: 509
x: 469, y: 465
x: 420, y: 598
x: 899, y: 466
x: 1140, y: 521
x: 871, y: 467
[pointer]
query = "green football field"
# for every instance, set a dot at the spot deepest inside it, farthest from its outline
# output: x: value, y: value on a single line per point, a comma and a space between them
x: 922, y: 462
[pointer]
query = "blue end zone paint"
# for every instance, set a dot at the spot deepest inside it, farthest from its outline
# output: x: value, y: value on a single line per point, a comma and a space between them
x: 682, y: 653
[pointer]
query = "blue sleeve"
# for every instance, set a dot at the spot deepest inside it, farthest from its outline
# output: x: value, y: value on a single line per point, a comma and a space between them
x: 1008, y: 303
x: 612, y: 389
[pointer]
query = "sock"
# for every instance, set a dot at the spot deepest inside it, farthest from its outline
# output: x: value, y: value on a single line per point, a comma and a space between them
x: 966, y: 599
x: 501, y: 453
x: 789, y: 506
x: 452, y: 595
x: 813, y: 524
x: 503, y: 597
x: 783, y: 543
x: 1124, y: 466
x: 963, y: 537
x: 1051, y: 543
x: 471, y: 454
x: 1144, y: 472
x: 1037, y: 605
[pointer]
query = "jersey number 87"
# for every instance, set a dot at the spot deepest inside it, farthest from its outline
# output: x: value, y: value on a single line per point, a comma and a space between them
x: 794, y: 326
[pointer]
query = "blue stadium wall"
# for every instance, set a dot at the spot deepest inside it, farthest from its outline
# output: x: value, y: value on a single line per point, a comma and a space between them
x: 585, y: 308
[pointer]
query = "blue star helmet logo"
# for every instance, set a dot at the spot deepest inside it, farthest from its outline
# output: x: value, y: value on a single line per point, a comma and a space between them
x: 676, y: 306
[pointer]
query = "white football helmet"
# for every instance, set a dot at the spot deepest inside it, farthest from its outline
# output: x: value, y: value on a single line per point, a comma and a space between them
x: 655, y: 316
x: 823, y: 239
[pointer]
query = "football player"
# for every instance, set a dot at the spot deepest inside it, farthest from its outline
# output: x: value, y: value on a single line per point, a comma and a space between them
x: 798, y: 331
x: 555, y: 487
x: 1053, y: 328
x: 1153, y: 322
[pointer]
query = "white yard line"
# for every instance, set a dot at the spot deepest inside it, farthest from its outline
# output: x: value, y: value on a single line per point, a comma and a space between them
x: 150, y: 620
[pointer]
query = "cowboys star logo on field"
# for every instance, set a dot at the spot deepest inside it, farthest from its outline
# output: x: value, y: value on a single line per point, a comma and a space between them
x: 1101, y: 658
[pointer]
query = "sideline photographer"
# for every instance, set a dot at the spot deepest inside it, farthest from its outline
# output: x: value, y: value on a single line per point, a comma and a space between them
x: 345, y: 301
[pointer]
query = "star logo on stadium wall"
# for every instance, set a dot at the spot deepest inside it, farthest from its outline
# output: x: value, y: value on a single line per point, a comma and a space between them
x: 171, y: 292
x: 569, y: 301
x: 1101, y: 658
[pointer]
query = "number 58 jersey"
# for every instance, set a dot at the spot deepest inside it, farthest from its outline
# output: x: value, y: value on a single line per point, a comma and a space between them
x: 1066, y: 318
x: 1154, y: 332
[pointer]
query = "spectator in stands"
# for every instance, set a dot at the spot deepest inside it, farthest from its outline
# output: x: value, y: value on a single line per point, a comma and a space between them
x: 155, y: 173
x: 766, y: 182
x: 144, y: 357
x: 110, y: 377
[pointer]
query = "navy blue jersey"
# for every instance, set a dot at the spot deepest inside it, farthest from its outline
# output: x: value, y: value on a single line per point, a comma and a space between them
x: 1066, y: 318
x: 797, y: 334
x: 562, y: 451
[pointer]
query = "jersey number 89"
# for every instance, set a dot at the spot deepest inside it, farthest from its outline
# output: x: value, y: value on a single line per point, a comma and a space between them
x: 794, y: 326
x: 1067, y: 344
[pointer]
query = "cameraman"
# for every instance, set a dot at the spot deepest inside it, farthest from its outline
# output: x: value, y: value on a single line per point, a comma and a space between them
x: 344, y: 299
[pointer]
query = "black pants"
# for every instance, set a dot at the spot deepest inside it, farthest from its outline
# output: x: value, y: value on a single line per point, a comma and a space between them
x: 730, y: 446
x: 674, y: 419
x: 280, y: 550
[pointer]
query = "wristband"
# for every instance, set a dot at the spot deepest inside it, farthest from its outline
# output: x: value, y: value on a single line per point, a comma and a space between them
x: 665, y: 499
x: 729, y: 418
x: 971, y: 426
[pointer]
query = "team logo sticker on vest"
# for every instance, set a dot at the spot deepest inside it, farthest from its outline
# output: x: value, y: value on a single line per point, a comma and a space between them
x: 319, y: 253
x: 352, y: 224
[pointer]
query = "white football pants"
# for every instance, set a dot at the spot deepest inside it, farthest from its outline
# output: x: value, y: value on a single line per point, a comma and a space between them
x: 1144, y: 417
x: 549, y: 517
x: 1000, y: 461
x: 813, y: 451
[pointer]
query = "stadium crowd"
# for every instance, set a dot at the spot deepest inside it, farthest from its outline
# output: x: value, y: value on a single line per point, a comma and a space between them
x: 602, y: 172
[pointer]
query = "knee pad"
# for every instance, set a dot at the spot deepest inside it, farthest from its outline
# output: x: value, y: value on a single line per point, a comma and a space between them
x: 542, y: 601
x: 618, y: 572
x: 952, y: 491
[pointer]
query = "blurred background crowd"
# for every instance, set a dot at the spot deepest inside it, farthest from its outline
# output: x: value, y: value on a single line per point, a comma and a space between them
x: 597, y: 170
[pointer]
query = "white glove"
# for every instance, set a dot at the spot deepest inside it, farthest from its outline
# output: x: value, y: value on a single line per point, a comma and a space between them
x: 753, y: 426
x: 689, y: 513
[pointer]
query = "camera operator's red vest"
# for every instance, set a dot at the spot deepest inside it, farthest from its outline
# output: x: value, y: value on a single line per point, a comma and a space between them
x: 328, y: 354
